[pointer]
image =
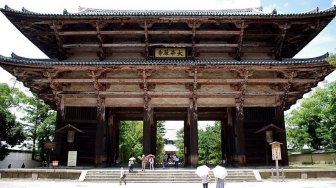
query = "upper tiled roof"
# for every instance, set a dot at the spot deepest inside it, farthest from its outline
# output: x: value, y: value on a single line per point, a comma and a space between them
x: 89, y: 12
x: 49, y: 62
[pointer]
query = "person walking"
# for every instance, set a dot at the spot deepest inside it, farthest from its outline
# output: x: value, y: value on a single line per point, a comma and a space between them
x: 130, y: 165
x: 175, y: 161
x: 151, y: 163
x: 206, y: 180
x: 143, y: 162
x: 164, y: 161
x: 122, y: 176
x: 219, y: 183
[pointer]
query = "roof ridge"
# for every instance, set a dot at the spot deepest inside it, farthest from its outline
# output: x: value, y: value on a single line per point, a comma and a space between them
x: 258, y: 11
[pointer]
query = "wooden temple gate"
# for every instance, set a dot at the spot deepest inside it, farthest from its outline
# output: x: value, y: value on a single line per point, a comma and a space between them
x: 232, y: 66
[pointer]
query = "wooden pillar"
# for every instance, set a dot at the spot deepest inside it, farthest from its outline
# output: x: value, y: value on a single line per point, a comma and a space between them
x: 240, y: 138
x: 229, y: 137
x: 99, y: 145
x: 60, y: 116
x: 193, y: 135
x: 223, y: 139
x: 187, y: 143
x: 113, y: 139
x: 147, y: 131
x: 280, y: 121
x: 56, y: 154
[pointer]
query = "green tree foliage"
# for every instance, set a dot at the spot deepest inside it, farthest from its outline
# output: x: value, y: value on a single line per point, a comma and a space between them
x: 41, y: 121
x: 209, y: 144
x: 11, y: 131
x: 131, y: 140
x: 314, y: 122
x: 160, y: 140
x: 179, y: 143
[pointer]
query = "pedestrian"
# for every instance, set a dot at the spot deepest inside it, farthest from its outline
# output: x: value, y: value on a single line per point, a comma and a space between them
x: 164, y: 161
x: 23, y: 165
x: 206, y: 180
x: 219, y: 183
x: 130, y: 165
x: 151, y: 163
x: 122, y: 176
x: 175, y: 161
x: 143, y: 162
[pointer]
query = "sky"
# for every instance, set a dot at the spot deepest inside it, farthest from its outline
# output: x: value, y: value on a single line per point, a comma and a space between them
x: 13, y: 41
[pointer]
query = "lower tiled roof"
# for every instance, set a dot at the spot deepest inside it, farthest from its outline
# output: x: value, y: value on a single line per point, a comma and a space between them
x: 26, y: 61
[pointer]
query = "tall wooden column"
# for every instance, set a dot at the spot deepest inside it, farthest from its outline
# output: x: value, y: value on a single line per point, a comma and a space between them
x: 113, y: 139
x: 280, y: 121
x: 58, y: 137
x: 223, y: 139
x: 149, y: 136
x: 99, y: 145
x: 193, y: 135
x: 228, y: 137
x: 239, y: 116
x: 187, y: 143
x: 148, y: 131
x: 240, y: 139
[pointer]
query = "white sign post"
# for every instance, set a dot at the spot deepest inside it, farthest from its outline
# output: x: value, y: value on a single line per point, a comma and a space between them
x: 72, y: 158
x: 276, y: 155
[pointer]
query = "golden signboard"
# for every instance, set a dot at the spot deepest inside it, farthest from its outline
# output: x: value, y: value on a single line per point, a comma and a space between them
x: 170, y: 53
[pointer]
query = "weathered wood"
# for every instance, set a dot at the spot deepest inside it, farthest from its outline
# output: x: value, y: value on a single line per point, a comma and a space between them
x: 150, y: 32
x: 181, y: 80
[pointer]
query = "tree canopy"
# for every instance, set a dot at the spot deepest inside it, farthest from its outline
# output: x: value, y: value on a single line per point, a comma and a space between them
x: 209, y: 144
x: 11, y: 131
x: 131, y: 140
x: 313, y: 123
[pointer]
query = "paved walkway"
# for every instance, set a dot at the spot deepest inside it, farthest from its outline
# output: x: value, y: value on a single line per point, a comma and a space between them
x: 295, y: 183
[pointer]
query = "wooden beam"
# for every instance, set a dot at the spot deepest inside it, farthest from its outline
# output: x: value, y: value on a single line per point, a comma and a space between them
x: 157, y: 32
x: 178, y: 94
x: 210, y: 81
x: 119, y: 45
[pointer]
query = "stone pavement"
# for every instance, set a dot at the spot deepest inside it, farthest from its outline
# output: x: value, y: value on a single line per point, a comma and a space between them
x: 295, y: 183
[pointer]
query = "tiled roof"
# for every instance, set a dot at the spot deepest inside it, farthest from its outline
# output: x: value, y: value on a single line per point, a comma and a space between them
x: 288, y: 61
x: 89, y: 12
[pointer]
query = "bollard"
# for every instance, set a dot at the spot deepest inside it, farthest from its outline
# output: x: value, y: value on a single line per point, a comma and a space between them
x: 34, y: 176
x: 282, y: 174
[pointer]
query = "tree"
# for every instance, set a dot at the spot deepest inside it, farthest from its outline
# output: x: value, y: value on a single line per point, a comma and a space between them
x: 131, y: 140
x: 209, y: 144
x: 41, y: 121
x: 314, y: 122
x: 11, y: 131
x: 180, y: 145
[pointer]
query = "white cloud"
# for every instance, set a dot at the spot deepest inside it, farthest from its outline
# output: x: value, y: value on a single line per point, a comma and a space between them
x: 334, y: 2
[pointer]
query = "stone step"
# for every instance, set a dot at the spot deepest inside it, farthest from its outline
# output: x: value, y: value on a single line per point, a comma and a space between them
x: 174, y: 176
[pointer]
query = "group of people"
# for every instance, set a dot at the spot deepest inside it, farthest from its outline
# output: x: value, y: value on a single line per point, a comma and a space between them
x: 166, y: 158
